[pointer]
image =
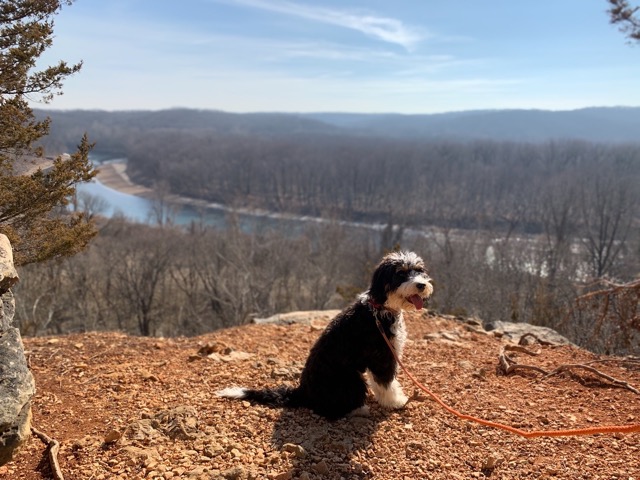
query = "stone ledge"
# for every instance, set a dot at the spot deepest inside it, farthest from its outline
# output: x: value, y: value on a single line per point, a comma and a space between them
x: 8, y: 274
x: 17, y: 387
x: 307, y: 317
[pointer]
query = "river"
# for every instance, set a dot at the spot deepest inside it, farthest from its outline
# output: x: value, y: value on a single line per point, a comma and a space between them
x: 110, y: 202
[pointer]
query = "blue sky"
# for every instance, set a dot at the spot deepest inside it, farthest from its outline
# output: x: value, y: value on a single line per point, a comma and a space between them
x: 405, y: 56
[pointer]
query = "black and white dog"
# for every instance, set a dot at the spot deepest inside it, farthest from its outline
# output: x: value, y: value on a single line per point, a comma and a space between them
x: 351, y: 348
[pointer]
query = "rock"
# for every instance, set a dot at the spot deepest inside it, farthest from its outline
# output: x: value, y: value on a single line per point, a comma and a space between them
x: 16, y: 389
x: 231, y: 357
x: 7, y: 310
x: 285, y: 373
x: 88, y: 441
x: 452, y: 338
x: 491, y: 461
x: 16, y: 382
x: 215, y: 347
x: 144, y: 456
x: 179, y: 423
x: 8, y: 274
x: 321, y: 467
x: 233, y: 473
x: 311, y: 317
x: 514, y: 331
x: 112, y: 437
x: 297, y: 450
x: 198, y: 472
x: 466, y: 365
x: 288, y: 475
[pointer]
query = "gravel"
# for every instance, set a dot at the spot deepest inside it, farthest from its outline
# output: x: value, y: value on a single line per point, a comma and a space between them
x: 131, y: 408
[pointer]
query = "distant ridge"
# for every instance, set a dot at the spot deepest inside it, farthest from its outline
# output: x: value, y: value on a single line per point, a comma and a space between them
x: 602, y: 124
x: 598, y: 124
x: 188, y: 119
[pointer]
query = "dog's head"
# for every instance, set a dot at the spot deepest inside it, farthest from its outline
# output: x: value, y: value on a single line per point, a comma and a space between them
x: 400, y: 282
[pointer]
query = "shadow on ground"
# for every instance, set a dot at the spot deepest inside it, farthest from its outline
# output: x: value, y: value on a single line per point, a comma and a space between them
x: 331, y: 449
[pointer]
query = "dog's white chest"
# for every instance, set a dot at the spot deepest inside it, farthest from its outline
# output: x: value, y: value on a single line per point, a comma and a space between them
x: 399, y: 332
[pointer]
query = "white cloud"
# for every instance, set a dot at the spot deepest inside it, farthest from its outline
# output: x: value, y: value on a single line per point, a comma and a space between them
x: 389, y: 30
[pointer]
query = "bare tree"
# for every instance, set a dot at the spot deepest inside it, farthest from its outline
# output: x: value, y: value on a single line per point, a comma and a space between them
x: 40, y: 303
x: 607, y: 214
x: 91, y: 205
x: 558, y: 211
x: 140, y: 275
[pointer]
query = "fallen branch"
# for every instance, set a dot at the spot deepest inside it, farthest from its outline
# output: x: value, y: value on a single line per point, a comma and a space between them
x: 521, y: 349
x: 523, y: 340
x: 629, y: 363
x: 53, y: 447
x: 564, y: 368
x: 508, y: 365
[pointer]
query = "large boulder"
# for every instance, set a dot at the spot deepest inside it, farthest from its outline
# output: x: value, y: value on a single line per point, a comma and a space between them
x: 8, y: 277
x: 16, y: 389
x: 514, y: 331
x: 17, y: 386
x: 307, y: 317
x: 8, y: 274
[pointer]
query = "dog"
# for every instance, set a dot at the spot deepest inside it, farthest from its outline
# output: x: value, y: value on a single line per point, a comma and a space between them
x: 351, y: 352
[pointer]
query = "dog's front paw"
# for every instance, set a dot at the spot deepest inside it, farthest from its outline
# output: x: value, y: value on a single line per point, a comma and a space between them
x: 400, y: 400
x: 394, y: 401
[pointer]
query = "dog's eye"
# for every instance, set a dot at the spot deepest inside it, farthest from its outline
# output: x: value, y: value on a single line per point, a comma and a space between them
x: 402, y: 275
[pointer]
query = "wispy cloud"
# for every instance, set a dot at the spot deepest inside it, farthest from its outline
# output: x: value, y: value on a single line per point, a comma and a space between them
x: 390, y: 30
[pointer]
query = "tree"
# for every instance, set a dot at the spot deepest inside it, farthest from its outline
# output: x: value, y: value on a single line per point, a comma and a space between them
x: 608, y: 207
x: 34, y: 191
x: 622, y: 14
x: 141, y: 276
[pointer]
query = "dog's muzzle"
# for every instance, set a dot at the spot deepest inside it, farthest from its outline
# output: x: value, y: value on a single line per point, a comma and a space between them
x: 418, y: 300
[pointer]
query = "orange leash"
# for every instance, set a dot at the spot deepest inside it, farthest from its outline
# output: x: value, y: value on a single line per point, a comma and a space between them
x: 502, y: 426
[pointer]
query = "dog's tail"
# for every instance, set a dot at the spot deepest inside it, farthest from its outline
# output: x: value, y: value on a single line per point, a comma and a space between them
x: 282, y: 396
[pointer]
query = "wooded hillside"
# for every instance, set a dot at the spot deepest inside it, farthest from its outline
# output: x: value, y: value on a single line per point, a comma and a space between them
x: 510, y: 231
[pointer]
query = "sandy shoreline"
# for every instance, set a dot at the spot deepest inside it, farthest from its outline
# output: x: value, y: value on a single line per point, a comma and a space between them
x: 113, y: 175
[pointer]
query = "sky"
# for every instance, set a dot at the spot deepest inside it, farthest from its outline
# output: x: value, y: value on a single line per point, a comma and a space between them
x: 400, y: 56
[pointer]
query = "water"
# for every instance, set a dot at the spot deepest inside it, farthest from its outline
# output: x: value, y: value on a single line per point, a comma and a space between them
x: 114, y: 203
x: 111, y: 203
x: 108, y: 202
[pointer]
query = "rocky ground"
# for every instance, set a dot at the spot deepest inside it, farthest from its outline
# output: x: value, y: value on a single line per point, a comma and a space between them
x: 128, y: 407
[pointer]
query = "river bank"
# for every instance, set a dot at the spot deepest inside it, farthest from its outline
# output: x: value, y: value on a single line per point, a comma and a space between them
x: 113, y: 175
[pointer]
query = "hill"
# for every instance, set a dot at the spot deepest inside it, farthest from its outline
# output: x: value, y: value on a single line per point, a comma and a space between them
x: 114, y: 132
x: 112, y: 129
x: 593, y: 124
x: 152, y: 399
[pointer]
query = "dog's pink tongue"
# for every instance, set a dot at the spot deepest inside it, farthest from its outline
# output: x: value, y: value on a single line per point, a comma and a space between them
x: 417, y: 301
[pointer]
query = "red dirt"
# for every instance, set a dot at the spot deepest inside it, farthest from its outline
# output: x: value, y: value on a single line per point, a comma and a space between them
x: 153, y: 400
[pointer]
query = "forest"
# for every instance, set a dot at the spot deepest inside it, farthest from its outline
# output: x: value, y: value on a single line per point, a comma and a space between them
x: 467, y: 185
x: 516, y: 231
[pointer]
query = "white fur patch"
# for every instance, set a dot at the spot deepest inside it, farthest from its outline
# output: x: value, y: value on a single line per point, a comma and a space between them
x: 389, y: 397
x: 232, y: 392
x: 399, y: 331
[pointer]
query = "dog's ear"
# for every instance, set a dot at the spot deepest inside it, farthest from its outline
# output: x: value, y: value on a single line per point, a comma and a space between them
x: 381, y: 281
